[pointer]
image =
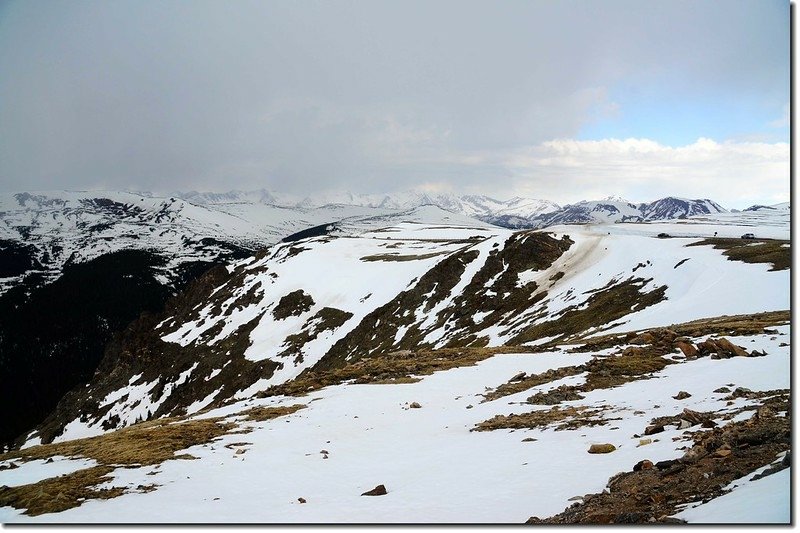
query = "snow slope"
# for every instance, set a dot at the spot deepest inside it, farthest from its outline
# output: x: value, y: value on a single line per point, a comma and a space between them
x: 434, y: 468
x: 394, y: 286
x: 367, y: 280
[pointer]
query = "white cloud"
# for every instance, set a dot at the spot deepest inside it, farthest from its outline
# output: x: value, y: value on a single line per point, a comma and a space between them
x: 737, y: 174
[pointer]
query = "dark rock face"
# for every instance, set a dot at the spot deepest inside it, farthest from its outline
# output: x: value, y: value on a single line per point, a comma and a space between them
x: 380, y: 490
x: 52, y: 336
x: 293, y: 304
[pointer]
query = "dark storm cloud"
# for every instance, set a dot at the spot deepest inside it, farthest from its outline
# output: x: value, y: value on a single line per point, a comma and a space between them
x: 374, y: 96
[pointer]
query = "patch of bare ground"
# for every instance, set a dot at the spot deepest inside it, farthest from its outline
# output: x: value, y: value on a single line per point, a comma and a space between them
x: 603, y: 307
x: 391, y: 368
x: 652, y: 492
x: 142, y: 444
x: 138, y: 445
x: 326, y: 319
x: 525, y: 382
x: 564, y: 393
x: 776, y: 252
x: 262, y: 414
x: 560, y: 418
x: 400, y: 258
x: 733, y: 325
x: 601, y: 372
x: 58, y: 494
x: 293, y: 304
x: 643, y: 355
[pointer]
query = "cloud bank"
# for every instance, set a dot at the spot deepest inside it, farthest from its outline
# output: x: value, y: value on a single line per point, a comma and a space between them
x: 374, y: 96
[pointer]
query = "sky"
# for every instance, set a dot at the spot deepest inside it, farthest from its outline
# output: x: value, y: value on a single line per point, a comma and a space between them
x: 560, y: 99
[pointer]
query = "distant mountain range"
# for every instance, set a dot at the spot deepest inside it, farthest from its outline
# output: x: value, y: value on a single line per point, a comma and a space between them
x: 514, y: 213
x: 476, y: 206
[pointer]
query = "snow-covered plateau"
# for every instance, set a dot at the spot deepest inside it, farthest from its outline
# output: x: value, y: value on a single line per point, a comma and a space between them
x: 402, y: 367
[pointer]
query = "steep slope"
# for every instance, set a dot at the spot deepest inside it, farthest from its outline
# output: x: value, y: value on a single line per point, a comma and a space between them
x: 324, y: 302
x: 446, y: 452
x: 77, y: 267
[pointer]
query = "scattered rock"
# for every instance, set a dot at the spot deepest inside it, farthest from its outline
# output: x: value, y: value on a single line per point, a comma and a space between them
x: 324, y: 452
x: 602, y: 448
x: 694, y: 454
x: 671, y: 520
x: 644, y: 338
x: 722, y: 348
x: 49, y: 460
x: 644, y: 442
x: 529, y: 439
x: 380, y: 490
x: 301, y: 500
x: 414, y: 405
x: 663, y: 465
x: 652, y: 430
x: 722, y: 390
x: 518, y: 377
x: 741, y: 392
x: 682, y: 395
x: 687, y: 348
x: 694, y: 417
x: 564, y: 393
x: 469, y: 406
x: 240, y: 451
x: 783, y: 345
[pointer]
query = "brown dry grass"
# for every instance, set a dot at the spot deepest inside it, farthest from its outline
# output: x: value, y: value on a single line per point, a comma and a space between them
x: 560, y: 418
x: 393, y: 257
x: 733, y: 325
x: 261, y: 414
x: 141, y: 444
x: 602, y: 308
x: 770, y: 251
x: 147, y: 443
x: 607, y: 372
x: 534, y: 380
x: 398, y: 367
x: 602, y: 373
x: 60, y: 493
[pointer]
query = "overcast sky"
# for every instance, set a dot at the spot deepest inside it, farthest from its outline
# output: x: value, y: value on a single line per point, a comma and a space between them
x: 560, y: 99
